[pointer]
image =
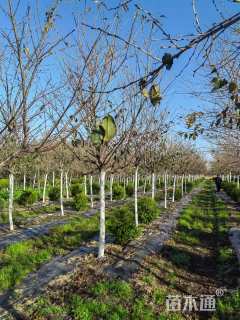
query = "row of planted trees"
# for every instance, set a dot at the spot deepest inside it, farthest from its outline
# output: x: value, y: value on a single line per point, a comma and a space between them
x: 133, y: 183
x: 84, y: 103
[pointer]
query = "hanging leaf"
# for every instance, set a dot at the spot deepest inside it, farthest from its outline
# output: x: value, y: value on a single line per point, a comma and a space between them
x: 167, y: 60
x: 232, y: 87
x: 145, y: 93
x: 214, y: 69
x: 109, y: 128
x: 218, y: 83
x: 154, y: 94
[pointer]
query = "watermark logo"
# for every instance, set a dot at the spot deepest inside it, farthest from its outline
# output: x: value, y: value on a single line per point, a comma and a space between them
x: 191, y: 303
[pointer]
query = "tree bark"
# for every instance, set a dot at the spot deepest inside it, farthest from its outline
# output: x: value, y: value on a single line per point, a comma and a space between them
x: 153, y: 185
x: 10, y: 205
x: 182, y: 185
x: 111, y: 185
x: 174, y: 189
x: 61, y: 193
x: 66, y: 182
x: 34, y: 180
x: 165, y: 191
x: 85, y: 185
x: 24, y: 181
x: 44, y: 188
x: 53, y: 179
x: 136, y: 196
x: 102, y: 215
x: 91, y: 191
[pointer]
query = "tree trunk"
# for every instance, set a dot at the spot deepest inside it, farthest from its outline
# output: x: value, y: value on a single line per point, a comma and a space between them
x: 144, y: 186
x: 174, y: 189
x: 24, y: 182
x: 85, y: 185
x: 53, y: 179
x: 238, y: 182
x: 39, y: 184
x: 153, y: 185
x: 10, y: 205
x: 182, y: 185
x: 91, y: 191
x: 111, y: 185
x: 44, y: 188
x: 136, y: 196
x: 34, y: 180
x: 165, y: 191
x: 61, y: 193
x: 66, y: 182
x: 102, y: 215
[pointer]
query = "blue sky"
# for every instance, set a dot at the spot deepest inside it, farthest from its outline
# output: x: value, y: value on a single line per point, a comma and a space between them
x: 178, y: 20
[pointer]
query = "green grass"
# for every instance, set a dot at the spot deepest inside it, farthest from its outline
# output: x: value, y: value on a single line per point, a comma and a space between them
x: 19, y: 259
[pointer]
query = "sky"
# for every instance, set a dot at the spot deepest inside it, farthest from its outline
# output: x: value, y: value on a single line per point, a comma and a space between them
x: 178, y: 19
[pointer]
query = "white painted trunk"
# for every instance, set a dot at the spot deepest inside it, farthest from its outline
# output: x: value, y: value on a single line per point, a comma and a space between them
x: 53, y: 179
x: 182, y: 183
x: 10, y: 204
x: 153, y: 185
x: 136, y: 196
x: 44, y: 188
x: 145, y: 184
x: 61, y: 193
x: 101, y: 246
x: 39, y: 183
x: 174, y: 188
x: 238, y: 182
x: 111, y: 185
x: 85, y: 185
x: 91, y: 191
x: 24, y: 182
x: 34, y: 180
x: 66, y: 183
x: 165, y: 191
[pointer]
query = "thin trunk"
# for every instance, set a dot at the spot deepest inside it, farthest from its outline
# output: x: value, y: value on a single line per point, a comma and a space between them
x: 153, y: 185
x: 165, y: 191
x: 10, y: 205
x: 102, y: 215
x: 238, y: 182
x: 61, y: 193
x: 34, y: 180
x: 24, y: 182
x: 39, y: 184
x: 85, y: 185
x: 182, y: 185
x: 91, y: 191
x: 174, y: 188
x: 111, y: 185
x: 66, y: 182
x: 53, y: 179
x: 44, y: 188
x: 136, y: 196
x: 145, y: 184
